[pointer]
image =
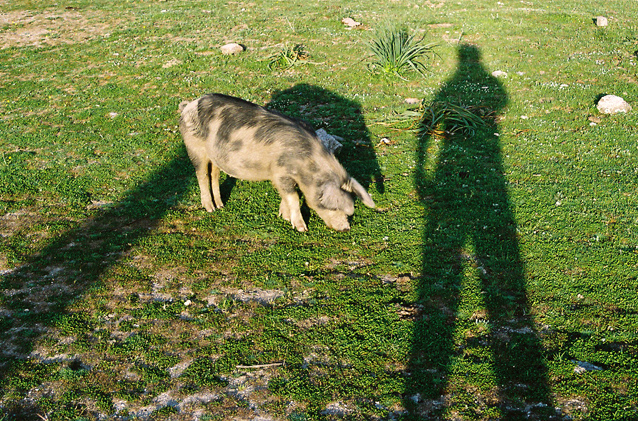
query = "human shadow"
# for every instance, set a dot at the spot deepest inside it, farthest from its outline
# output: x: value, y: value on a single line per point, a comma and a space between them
x: 471, y: 256
x: 339, y: 116
x: 36, y: 295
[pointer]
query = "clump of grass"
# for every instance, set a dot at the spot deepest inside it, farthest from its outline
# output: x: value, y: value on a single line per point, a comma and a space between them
x: 441, y: 117
x: 397, y: 52
x: 288, y: 57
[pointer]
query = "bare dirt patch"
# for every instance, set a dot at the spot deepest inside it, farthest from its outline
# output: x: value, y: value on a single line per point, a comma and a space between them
x: 28, y: 28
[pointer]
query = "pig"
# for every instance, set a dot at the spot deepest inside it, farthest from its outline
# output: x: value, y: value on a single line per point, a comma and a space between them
x: 249, y: 142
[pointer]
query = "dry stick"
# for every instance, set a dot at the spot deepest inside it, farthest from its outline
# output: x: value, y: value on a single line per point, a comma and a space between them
x: 261, y: 365
x: 458, y: 41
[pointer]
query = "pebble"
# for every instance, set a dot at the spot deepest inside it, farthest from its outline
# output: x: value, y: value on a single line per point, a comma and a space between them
x: 499, y: 73
x: 583, y: 367
x: 601, y: 21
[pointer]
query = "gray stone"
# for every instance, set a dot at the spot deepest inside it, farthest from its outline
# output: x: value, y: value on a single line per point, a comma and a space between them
x: 331, y: 142
x: 612, y: 104
x: 583, y: 367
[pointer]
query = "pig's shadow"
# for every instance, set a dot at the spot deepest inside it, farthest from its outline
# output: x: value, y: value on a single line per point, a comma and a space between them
x: 339, y: 116
x: 226, y: 187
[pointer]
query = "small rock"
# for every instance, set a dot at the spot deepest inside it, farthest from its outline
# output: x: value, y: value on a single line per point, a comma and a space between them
x: 601, y: 21
x: 337, y: 409
x: 499, y: 73
x: 350, y: 23
x: 612, y: 104
x: 412, y: 101
x: 232, y: 49
x: 331, y: 142
x: 113, y: 114
x: 583, y: 367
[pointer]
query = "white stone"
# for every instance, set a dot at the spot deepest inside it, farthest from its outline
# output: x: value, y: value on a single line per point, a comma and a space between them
x: 499, y: 73
x: 231, y: 49
x: 601, y: 21
x: 612, y: 104
x: 350, y: 23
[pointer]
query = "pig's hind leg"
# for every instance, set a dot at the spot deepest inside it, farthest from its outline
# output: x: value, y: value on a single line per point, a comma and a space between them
x: 289, y: 208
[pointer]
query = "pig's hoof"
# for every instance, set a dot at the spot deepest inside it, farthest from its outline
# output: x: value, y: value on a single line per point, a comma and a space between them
x: 208, y: 206
x: 300, y: 226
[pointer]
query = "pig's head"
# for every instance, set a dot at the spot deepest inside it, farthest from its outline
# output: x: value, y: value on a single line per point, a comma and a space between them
x: 335, y: 202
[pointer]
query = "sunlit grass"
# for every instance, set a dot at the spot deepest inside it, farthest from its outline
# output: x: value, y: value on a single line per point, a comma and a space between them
x: 396, y: 52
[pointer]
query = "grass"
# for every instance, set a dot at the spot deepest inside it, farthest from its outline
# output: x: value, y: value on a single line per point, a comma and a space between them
x: 397, y: 52
x: 288, y: 57
x: 502, y: 255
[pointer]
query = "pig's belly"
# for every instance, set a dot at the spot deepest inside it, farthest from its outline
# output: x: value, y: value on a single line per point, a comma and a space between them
x: 250, y: 168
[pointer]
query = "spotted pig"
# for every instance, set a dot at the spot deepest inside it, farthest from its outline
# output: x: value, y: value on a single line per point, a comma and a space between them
x: 249, y: 142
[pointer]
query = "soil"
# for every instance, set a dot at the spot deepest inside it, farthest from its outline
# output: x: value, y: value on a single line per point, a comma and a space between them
x: 38, y: 29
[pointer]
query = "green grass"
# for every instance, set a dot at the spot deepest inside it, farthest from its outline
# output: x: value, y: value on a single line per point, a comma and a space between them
x: 397, y: 52
x: 503, y: 252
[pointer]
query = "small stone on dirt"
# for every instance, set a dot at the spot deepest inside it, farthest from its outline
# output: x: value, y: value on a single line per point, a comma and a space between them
x: 583, y: 367
x: 232, y: 49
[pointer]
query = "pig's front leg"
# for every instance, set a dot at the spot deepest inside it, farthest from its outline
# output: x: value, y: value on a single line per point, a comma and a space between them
x: 289, y: 208
x: 214, y: 181
x: 204, y: 181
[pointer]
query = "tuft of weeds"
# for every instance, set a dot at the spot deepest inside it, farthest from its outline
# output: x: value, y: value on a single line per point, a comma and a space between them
x: 457, y: 119
x: 397, y: 52
x: 288, y: 57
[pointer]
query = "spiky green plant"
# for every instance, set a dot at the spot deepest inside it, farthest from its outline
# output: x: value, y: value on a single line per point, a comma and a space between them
x: 457, y: 118
x: 397, y: 52
x: 288, y: 57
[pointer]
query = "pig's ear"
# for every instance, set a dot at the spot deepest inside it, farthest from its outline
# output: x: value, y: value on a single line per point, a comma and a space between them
x: 353, y: 186
x: 333, y: 198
